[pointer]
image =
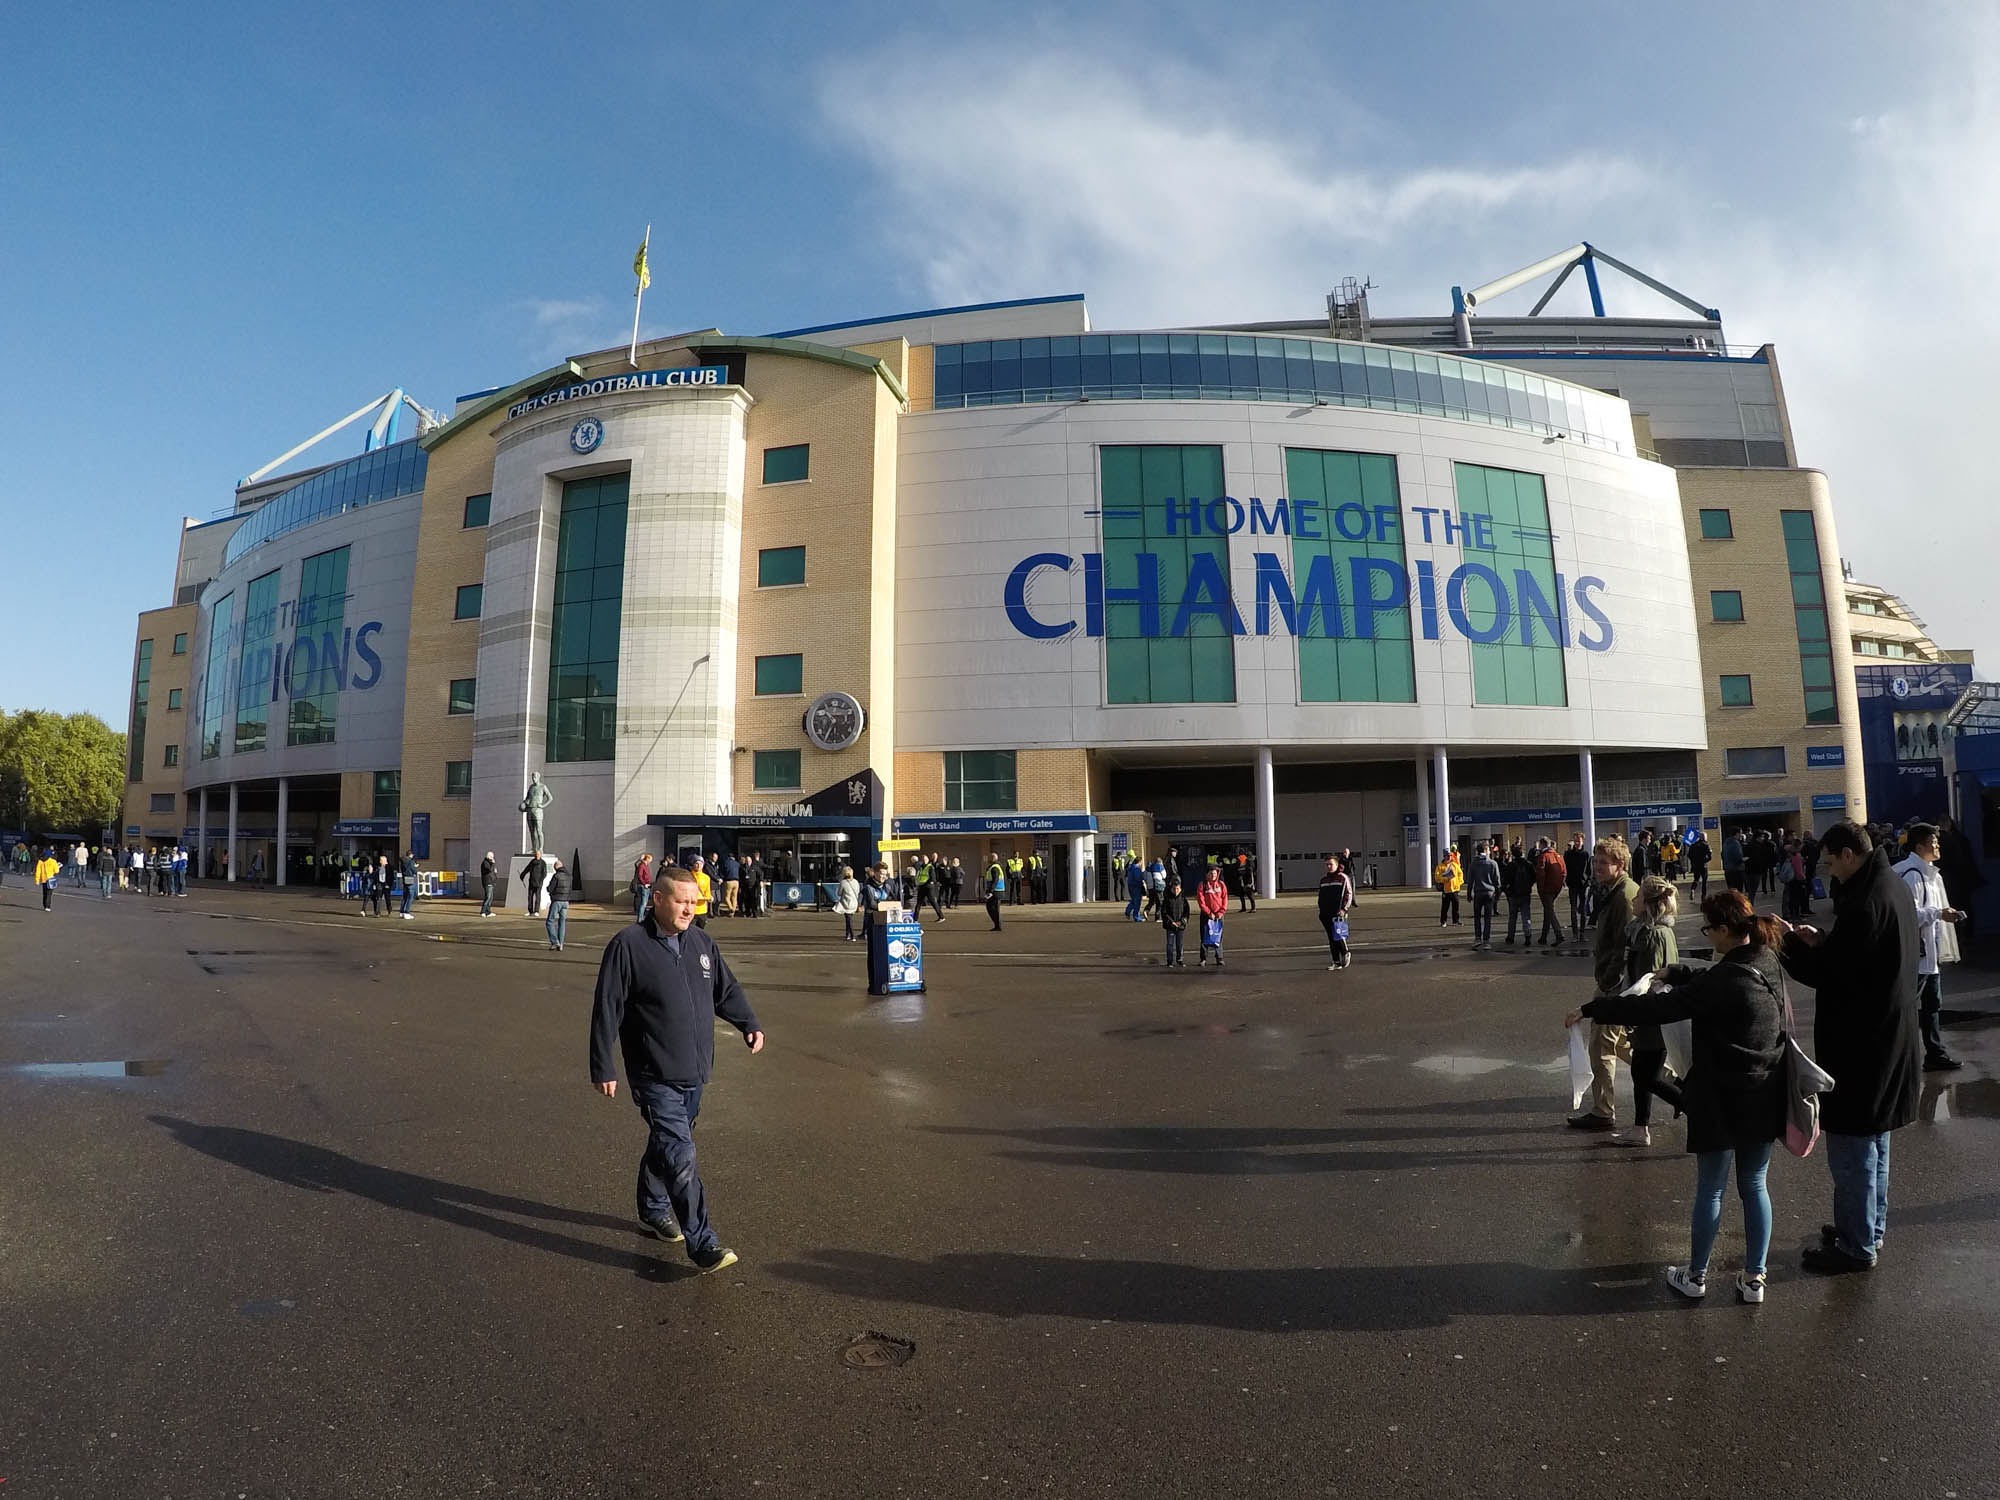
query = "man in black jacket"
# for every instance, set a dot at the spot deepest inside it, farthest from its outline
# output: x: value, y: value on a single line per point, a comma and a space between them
x: 557, y: 924
x: 534, y: 872
x: 1576, y: 870
x: 487, y: 870
x: 660, y: 986
x: 1865, y: 1033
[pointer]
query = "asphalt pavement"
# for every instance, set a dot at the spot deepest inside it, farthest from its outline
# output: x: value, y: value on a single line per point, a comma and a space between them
x: 300, y: 1203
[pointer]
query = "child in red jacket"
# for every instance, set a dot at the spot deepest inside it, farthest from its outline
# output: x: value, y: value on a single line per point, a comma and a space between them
x: 1214, y: 898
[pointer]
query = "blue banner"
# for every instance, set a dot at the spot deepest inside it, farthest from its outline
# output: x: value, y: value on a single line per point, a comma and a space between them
x: 1826, y: 756
x: 420, y: 835
x: 1021, y: 823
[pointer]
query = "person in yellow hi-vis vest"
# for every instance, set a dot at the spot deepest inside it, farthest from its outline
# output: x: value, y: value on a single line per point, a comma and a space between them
x: 47, y: 868
x: 705, y: 886
x: 1449, y: 879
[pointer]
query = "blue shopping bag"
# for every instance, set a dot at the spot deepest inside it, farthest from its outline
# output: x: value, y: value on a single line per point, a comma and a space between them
x: 1340, y: 928
x: 1211, y: 932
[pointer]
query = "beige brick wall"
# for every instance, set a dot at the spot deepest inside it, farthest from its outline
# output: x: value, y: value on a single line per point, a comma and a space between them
x: 448, y: 554
x: 1766, y: 644
x: 164, y: 726
x: 357, y: 795
x: 843, y: 514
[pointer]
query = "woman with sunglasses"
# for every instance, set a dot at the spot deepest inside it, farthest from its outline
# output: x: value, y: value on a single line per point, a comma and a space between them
x: 1734, y: 1092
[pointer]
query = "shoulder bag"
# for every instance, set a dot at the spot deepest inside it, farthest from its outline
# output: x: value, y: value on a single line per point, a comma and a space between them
x: 1805, y: 1081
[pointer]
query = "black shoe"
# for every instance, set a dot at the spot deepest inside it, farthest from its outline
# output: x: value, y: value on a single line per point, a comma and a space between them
x: 664, y: 1229
x: 1827, y: 1260
x: 1942, y: 1062
x: 1588, y: 1121
x: 713, y: 1260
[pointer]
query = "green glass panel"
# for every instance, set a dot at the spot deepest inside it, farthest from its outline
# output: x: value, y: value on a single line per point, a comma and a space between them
x: 1126, y: 675
x: 1818, y: 671
x: 780, y: 674
x: 1735, y: 692
x: 1807, y: 589
x: 1489, y: 674
x: 1802, y: 555
x: 1822, y: 707
x: 1319, y: 671
x: 786, y: 465
x: 1725, y: 604
x: 1812, y: 624
x: 1551, y: 685
x: 1798, y: 525
x: 1395, y: 675
x: 779, y: 567
x: 1715, y: 525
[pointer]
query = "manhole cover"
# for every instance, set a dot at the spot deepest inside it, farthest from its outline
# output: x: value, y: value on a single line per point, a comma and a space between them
x: 876, y: 1351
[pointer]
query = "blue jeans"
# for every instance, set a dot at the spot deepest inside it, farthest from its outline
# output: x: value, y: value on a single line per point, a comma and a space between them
x: 639, y: 899
x: 1174, y: 936
x: 104, y: 884
x: 1482, y: 917
x: 1710, y: 1183
x: 1860, y: 1168
x: 1132, y: 905
x: 557, y: 922
x: 667, y: 1177
x: 486, y: 898
x: 409, y: 894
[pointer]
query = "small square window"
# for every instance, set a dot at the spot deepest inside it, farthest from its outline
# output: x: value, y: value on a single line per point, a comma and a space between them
x: 787, y: 465
x: 464, y: 695
x: 775, y: 770
x: 160, y: 802
x: 470, y: 597
x: 477, y: 509
x: 181, y: 644
x: 1715, y: 526
x: 458, y: 778
x: 779, y: 567
x: 1736, y: 691
x: 173, y: 698
x: 1725, y: 604
x: 778, y: 676
x: 172, y: 756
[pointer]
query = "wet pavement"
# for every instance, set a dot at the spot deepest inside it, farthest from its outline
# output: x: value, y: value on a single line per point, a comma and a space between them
x: 299, y: 1204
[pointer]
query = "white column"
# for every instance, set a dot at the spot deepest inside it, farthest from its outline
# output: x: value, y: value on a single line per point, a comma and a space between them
x: 1080, y: 852
x: 1589, y: 779
x: 230, y: 847
x: 201, y: 840
x: 1444, y: 801
x: 1267, y: 826
x: 1420, y: 878
x: 284, y: 821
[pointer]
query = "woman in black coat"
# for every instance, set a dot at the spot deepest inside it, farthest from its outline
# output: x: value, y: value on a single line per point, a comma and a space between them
x: 1734, y: 1092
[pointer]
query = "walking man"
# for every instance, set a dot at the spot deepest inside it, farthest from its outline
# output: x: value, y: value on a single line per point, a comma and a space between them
x: 1609, y: 863
x: 487, y: 870
x: 1485, y: 897
x: 641, y: 887
x: 1518, y: 878
x: 996, y: 887
x: 1865, y: 1033
x: 1551, y: 875
x: 409, y: 875
x: 1937, y: 932
x: 1732, y: 860
x: 660, y: 987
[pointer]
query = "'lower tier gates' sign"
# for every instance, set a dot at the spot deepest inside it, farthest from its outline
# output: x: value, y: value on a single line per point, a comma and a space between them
x: 1340, y: 597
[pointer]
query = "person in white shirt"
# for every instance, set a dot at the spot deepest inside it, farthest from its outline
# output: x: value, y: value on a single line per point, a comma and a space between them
x: 1938, y: 937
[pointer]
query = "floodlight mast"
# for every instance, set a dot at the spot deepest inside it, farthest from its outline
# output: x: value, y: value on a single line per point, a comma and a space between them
x: 383, y: 431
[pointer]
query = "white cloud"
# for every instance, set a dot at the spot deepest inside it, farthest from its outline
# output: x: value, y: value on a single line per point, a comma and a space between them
x: 1028, y: 172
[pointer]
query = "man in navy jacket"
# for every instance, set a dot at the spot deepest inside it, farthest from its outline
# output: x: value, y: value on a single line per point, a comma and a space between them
x: 660, y: 986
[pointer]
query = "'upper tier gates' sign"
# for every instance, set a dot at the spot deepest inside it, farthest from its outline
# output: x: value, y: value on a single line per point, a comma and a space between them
x: 1485, y: 602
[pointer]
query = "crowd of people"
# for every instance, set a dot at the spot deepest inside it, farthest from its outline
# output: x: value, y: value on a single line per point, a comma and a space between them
x: 1875, y: 974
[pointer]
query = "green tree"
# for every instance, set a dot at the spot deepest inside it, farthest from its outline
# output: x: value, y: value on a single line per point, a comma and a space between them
x: 60, y: 772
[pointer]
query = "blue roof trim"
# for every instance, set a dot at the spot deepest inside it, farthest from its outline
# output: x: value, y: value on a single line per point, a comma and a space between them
x: 1508, y: 357
x: 218, y: 521
x: 475, y: 395
x: 929, y: 312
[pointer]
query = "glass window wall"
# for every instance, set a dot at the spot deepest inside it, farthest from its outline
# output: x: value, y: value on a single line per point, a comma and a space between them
x: 589, y: 596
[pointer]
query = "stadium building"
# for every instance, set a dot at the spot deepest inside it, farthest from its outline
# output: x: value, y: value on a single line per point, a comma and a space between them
x: 989, y: 578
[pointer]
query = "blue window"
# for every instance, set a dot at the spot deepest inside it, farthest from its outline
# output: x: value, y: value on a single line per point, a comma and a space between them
x: 775, y: 770
x: 787, y: 465
x: 471, y: 596
x: 780, y: 675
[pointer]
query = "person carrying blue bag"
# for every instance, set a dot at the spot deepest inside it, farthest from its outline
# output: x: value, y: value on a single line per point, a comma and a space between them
x: 1336, y: 900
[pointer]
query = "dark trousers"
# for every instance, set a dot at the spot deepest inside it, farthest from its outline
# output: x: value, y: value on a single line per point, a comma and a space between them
x: 1579, y: 908
x: 1521, y: 909
x: 1698, y: 883
x: 1448, y: 908
x: 48, y: 895
x: 1649, y: 1083
x: 1734, y: 878
x: 1174, y: 936
x: 668, y: 1181
x: 1552, y: 930
x: 409, y: 895
x: 1482, y: 917
x: 1336, y: 947
x: 993, y: 908
x: 1930, y: 1000
x: 929, y: 893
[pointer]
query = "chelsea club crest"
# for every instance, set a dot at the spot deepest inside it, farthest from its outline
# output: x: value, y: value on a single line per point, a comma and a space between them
x: 586, y: 435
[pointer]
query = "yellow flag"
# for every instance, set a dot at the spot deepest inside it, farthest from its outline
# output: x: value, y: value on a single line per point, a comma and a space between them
x: 640, y: 269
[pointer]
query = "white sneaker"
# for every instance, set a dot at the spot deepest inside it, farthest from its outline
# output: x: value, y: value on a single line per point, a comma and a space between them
x: 1635, y: 1135
x: 1331, y: 967
x: 1750, y: 1288
x: 1687, y: 1283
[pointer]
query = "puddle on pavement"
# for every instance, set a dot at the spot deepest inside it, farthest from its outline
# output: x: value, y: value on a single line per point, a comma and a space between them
x: 150, y: 1068
x: 1976, y: 1099
x: 1193, y: 1028
x: 1458, y: 1066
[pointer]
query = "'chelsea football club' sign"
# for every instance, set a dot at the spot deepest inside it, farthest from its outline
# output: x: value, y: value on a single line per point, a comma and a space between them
x: 606, y: 385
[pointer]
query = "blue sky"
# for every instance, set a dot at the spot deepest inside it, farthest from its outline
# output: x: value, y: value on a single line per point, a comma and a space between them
x: 226, y: 226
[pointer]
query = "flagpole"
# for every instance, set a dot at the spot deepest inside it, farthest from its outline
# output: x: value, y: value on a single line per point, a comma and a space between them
x: 639, y: 300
